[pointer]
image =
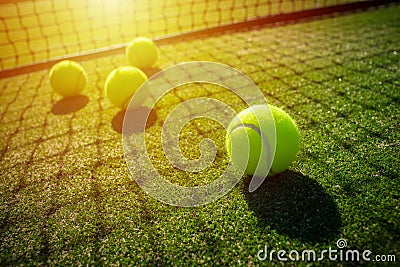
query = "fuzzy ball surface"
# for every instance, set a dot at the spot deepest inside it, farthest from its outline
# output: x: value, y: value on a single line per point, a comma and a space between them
x: 121, y: 85
x: 142, y: 53
x: 250, y: 140
x: 68, y: 78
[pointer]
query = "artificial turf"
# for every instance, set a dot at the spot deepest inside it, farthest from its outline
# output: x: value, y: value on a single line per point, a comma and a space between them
x: 67, y: 197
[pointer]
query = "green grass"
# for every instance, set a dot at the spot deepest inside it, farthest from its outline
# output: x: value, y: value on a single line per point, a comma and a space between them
x: 67, y: 197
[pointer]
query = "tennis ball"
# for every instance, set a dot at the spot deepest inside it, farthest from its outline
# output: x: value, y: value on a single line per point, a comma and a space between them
x: 250, y: 140
x: 141, y: 53
x: 68, y: 78
x: 121, y: 85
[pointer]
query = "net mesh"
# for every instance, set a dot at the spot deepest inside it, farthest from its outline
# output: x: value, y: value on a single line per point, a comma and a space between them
x: 33, y: 31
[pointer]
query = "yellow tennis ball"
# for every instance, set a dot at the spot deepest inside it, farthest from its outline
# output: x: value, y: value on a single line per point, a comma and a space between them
x: 142, y: 53
x: 248, y: 146
x: 121, y: 85
x: 68, y: 78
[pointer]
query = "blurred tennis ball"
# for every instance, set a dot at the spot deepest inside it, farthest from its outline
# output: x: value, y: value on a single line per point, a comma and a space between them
x: 249, y: 147
x: 121, y: 85
x: 142, y: 53
x: 68, y: 78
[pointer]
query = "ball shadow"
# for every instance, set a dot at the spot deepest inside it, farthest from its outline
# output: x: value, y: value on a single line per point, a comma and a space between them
x: 140, y: 115
x: 69, y: 105
x: 296, y: 206
x: 151, y: 71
